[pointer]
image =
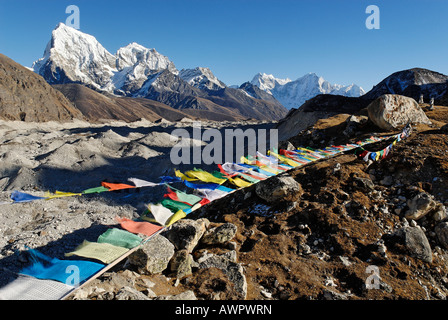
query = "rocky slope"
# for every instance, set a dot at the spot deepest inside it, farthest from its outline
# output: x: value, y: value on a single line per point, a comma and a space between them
x: 344, y: 229
x: 99, y: 107
x: 26, y: 96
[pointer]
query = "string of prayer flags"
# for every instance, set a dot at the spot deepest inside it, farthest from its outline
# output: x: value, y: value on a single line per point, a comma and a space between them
x: 115, y: 243
x: 139, y: 227
x: 103, y: 252
x: 382, y: 154
x: 201, y: 175
x: 284, y: 159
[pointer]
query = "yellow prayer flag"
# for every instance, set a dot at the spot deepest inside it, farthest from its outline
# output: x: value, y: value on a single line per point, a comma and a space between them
x: 175, y: 217
x: 204, y: 176
x: 240, y: 182
x: 184, y: 177
x: 104, y: 252
x: 59, y: 194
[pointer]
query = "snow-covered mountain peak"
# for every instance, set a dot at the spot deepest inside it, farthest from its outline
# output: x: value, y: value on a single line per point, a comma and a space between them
x: 74, y: 56
x: 80, y: 55
x: 267, y: 82
x: 135, y: 54
x: 202, y: 78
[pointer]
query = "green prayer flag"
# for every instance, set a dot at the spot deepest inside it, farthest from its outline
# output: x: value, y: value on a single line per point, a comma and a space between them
x: 120, y: 238
x: 95, y: 190
x: 174, y: 206
x: 188, y: 198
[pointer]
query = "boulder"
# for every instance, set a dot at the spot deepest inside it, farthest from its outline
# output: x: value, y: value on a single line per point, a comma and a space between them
x: 279, y: 188
x: 364, y: 183
x: 154, y: 256
x: 227, y: 263
x: 415, y: 241
x: 423, y: 204
x: 129, y: 293
x: 392, y: 111
x: 444, y: 128
x: 181, y: 263
x: 441, y: 231
x: 186, y: 295
x: 220, y: 234
x: 354, y: 123
x: 186, y: 233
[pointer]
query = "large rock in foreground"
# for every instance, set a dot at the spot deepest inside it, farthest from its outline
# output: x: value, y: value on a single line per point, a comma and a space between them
x: 154, y: 256
x: 415, y: 241
x: 392, y: 111
x: 278, y: 188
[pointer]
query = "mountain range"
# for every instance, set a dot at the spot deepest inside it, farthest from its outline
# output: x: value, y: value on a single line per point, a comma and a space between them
x: 134, y: 71
x: 73, y: 57
x: 81, y: 79
x: 293, y: 94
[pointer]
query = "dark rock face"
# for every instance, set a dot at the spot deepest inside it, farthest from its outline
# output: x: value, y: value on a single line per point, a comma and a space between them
x: 26, y: 96
x: 411, y: 83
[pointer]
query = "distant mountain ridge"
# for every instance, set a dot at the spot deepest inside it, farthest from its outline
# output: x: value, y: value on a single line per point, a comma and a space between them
x: 138, y: 72
x: 293, y: 94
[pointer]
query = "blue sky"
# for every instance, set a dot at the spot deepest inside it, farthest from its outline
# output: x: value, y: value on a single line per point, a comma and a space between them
x: 238, y: 38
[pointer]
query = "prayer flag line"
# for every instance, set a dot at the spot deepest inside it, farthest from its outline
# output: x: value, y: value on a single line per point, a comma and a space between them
x: 110, y: 250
